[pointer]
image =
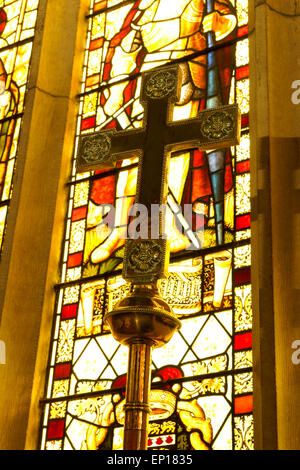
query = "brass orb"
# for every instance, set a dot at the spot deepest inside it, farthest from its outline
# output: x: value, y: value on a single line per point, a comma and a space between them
x: 143, y: 316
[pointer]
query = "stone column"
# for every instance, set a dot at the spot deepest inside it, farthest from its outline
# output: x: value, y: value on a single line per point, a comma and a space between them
x: 29, y: 265
x: 275, y: 153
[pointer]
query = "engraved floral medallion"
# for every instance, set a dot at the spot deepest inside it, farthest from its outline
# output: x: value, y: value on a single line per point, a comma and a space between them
x: 218, y: 125
x: 145, y: 256
x: 161, y: 84
x: 95, y: 148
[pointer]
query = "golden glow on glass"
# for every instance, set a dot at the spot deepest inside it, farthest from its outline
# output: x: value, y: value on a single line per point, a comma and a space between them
x: 242, y: 53
x: 204, y: 289
x: 242, y: 95
x: 60, y: 388
x: 18, y: 19
x: 243, y: 150
x: 243, y: 308
x: 54, y: 445
x: 242, y: 12
x: 65, y: 341
x: 244, y: 432
x: 71, y: 294
x: 242, y: 256
x: 77, y: 236
x: 243, y: 202
x: 81, y: 194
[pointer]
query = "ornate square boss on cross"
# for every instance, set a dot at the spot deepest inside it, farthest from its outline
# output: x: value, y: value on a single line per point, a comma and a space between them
x: 217, y: 128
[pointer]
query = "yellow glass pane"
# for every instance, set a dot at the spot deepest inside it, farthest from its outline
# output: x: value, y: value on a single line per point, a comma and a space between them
x: 3, y: 212
x: 243, y: 308
x: 242, y: 12
x: 242, y: 53
x: 242, y: 95
x: 81, y: 194
x: 243, y: 150
x: 243, y: 383
x: 73, y: 274
x: 94, y: 62
x: 8, y: 180
x: 243, y: 202
x: 242, y: 256
x: 243, y: 234
x: 89, y: 105
x: 77, y: 236
x: 243, y: 432
x: 60, y: 388
x: 98, y: 27
x: 58, y: 410
x: 65, y: 341
x: 243, y: 359
x: 71, y: 295
x: 54, y: 445
x: 91, y: 309
x: 183, y: 287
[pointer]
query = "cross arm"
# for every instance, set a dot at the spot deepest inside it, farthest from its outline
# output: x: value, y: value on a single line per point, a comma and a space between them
x: 213, y: 129
x: 103, y: 149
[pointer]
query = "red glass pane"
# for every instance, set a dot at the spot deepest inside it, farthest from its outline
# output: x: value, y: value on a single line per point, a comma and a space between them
x: 62, y: 371
x: 100, y: 5
x: 56, y: 429
x: 243, y: 31
x: 96, y: 44
x: 243, y: 341
x: 242, y: 222
x: 103, y: 190
x: 199, y: 158
x: 69, y: 311
x: 201, y: 183
x: 242, y: 276
x: 74, y: 260
x: 242, y: 72
x: 243, y: 404
x: 245, y: 121
x: 88, y: 123
x: 79, y: 213
x: 243, y: 167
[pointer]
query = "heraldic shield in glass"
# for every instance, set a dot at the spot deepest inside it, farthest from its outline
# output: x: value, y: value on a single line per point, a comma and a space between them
x: 17, y: 27
x: 201, y: 395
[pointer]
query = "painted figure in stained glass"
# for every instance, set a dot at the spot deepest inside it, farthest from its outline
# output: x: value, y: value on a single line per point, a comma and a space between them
x: 151, y: 35
x: 174, y: 423
x: 9, y: 96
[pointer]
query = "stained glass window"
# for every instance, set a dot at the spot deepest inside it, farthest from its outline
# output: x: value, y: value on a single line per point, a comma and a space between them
x: 202, y: 388
x: 17, y: 24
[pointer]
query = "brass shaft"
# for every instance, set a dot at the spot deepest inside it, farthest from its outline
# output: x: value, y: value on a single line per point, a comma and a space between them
x: 137, y: 407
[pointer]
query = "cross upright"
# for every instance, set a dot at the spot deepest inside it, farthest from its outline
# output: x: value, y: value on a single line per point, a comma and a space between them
x: 143, y: 320
x: 212, y: 129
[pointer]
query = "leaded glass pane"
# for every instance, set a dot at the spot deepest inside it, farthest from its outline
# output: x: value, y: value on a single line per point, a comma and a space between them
x: 202, y: 386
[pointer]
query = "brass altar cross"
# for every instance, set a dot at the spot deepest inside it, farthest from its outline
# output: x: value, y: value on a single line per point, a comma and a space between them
x: 143, y: 320
x: 212, y: 129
